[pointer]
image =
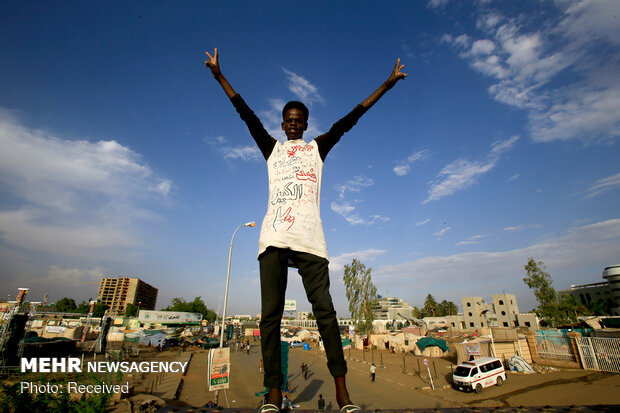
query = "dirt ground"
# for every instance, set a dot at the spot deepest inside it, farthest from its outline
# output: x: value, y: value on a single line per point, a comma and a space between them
x: 402, y: 382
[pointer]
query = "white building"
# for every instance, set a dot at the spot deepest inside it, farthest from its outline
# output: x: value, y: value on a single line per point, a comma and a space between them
x: 392, y: 308
x: 607, y: 291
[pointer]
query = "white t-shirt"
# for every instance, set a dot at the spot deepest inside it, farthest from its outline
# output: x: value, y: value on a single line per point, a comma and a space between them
x: 293, y: 211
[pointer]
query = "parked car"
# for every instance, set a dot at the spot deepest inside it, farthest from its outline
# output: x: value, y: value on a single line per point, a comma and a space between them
x: 296, y: 343
x: 478, y: 374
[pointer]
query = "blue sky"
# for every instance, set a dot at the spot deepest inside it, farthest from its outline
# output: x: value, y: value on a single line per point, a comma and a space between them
x: 121, y: 156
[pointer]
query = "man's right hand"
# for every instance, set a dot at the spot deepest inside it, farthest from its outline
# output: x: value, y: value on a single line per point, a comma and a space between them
x: 213, y: 63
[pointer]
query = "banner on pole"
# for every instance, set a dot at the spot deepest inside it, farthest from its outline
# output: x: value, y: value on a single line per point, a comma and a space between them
x: 290, y: 309
x: 219, y: 368
x: 473, y: 350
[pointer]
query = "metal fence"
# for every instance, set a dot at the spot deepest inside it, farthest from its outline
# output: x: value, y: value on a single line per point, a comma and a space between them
x: 555, y: 347
x: 599, y: 353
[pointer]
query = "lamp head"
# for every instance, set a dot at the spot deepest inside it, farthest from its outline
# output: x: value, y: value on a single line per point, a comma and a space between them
x: 250, y: 224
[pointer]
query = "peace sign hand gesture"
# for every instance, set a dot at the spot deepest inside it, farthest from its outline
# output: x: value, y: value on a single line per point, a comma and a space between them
x: 396, y: 74
x: 213, y: 63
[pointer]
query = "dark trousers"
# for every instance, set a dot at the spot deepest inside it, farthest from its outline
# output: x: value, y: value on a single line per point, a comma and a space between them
x: 274, y: 263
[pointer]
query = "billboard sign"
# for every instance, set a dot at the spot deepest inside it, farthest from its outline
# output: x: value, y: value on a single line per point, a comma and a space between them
x: 290, y: 309
x: 219, y: 368
x: 169, y: 317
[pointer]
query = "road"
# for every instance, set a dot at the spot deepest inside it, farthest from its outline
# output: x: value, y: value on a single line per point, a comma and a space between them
x: 394, y: 389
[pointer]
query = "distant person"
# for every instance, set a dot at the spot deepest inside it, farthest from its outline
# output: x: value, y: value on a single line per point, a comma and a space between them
x: 286, y: 403
x: 373, y: 371
x: 292, y: 233
x: 321, y: 403
x: 260, y: 366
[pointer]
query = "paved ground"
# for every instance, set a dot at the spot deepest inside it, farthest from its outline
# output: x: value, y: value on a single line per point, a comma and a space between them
x: 394, y: 389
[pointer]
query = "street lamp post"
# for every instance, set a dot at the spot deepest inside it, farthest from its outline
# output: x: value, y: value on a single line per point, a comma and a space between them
x: 247, y: 224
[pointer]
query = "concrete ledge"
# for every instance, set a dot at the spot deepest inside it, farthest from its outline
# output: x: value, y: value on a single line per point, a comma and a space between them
x: 521, y: 409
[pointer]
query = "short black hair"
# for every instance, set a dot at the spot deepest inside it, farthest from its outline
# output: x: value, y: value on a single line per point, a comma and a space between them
x: 294, y: 104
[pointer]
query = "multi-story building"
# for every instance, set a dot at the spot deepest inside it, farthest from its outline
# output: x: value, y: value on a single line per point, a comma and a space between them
x: 503, y: 312
x: 392, y: 308
x: 120, y: 291
x: 476, y: 312
x: 607, y: 291
x: 506, y: 310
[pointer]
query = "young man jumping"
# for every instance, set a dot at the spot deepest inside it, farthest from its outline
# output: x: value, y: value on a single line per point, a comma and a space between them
x: 292, y: 233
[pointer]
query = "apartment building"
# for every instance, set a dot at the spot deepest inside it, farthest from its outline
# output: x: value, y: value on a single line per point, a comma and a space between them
x: 120, y: 291
x: 392, y: 308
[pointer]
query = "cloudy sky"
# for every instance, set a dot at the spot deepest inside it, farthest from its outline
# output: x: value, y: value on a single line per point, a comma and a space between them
x: 121, y: 156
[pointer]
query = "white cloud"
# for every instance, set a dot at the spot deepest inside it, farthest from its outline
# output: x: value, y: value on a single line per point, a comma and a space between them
x: 471, y: 240
x: 408, y: 50
x: 588, y: 20
x: 569, y: 258
x: 563, y: 73
x: 73, y: 275
x: 434, y: 4
x: 403, y: 167
x: 378, y: 218
x: 228, y: 152
x: 441, y: 232
x: 462, y: 174
x: 73, y: 196
x: 338, y: 262
x: 514, y: 228
x: 489, y: 20
x: 603, y: 185
x: 343, y: 209
x: 426, y: 221
x: 354, y: 185
x: 482, y: 47
x: 302, y: 88
x: 245, y: 153
x: 456, y: 176
x: 347, y: 208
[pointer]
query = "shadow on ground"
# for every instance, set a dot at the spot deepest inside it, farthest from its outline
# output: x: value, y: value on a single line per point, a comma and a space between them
x: 309, y: 392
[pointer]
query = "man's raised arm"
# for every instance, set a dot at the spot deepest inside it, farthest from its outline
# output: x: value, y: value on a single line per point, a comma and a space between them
x: 214, y: 64
x: 262, y: 138
x: 395, y: 76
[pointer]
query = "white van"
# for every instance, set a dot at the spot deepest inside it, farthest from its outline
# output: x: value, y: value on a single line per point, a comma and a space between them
x: 478, y: 374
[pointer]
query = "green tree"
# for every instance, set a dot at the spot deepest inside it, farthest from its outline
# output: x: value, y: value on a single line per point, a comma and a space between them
x: 540, y: 281
x: 65, y: 305
x: 131, y: 310
x: 361, y: 293
x: 553, y: 311
x: 417, y: 313
x: 195, y: 306
x: 447, y: 308
x: 599, y: 307
x: 100, y: 309
x: 430, y: 306
x: 83, y: 307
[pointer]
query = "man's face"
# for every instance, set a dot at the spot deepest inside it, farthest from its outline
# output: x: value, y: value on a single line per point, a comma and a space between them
x: 294, y: 124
